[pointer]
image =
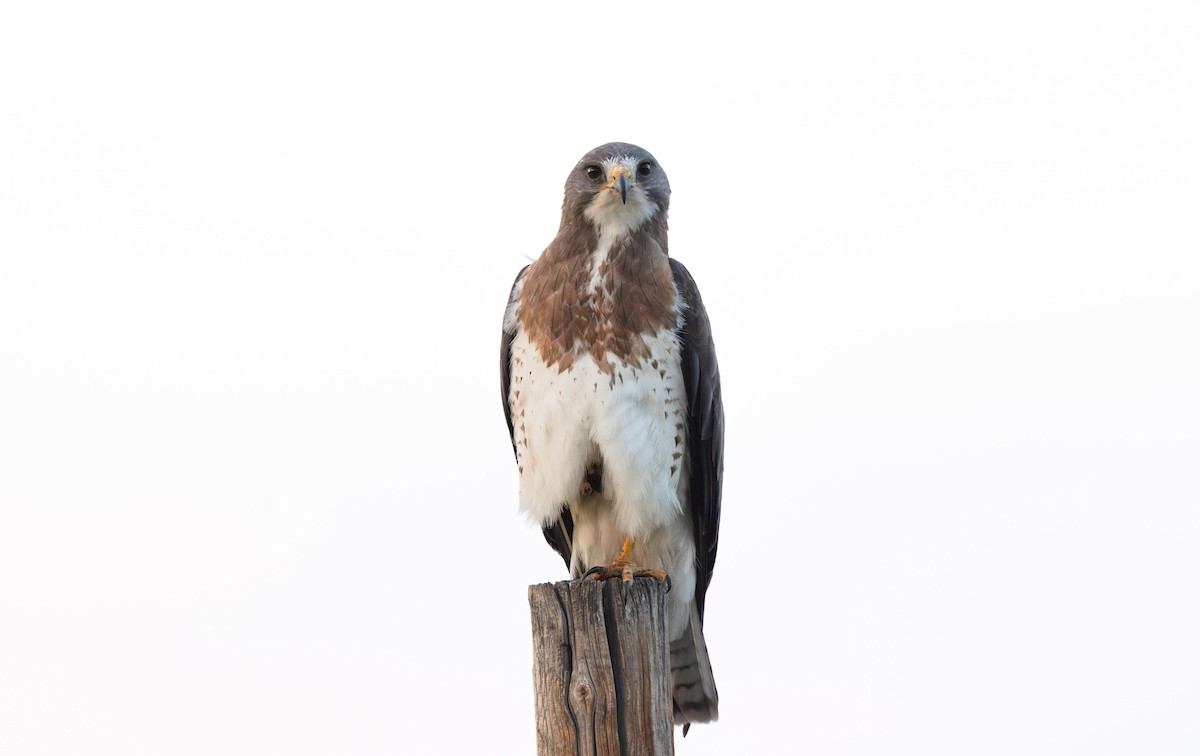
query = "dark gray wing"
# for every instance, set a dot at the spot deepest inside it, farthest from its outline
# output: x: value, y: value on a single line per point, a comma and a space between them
x: 706, y: 427
x: 559, y: 534
x: 506, y: 340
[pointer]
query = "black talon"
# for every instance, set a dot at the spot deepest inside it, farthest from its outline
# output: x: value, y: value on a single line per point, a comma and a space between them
x: 597, y: 570
x: 668, y: 583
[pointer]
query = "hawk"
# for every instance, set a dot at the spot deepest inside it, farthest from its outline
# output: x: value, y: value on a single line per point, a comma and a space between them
x: 613, y: 399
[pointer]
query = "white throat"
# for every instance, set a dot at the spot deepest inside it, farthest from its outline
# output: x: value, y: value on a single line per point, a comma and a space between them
x: 614, y: 218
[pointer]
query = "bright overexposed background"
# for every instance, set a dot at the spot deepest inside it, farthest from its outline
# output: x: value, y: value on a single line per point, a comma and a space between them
x: 256, y: 491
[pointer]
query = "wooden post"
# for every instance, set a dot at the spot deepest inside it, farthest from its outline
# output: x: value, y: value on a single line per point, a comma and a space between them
x: 601, y: 668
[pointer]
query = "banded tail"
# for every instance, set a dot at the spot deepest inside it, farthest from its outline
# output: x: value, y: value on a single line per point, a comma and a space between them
x: 692, y: 686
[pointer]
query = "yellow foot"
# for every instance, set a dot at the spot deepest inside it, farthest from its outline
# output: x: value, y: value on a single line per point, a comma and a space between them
x: 626, y: 569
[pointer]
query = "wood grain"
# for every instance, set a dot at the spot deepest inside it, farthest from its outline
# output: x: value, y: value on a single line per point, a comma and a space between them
x: 601, y: 668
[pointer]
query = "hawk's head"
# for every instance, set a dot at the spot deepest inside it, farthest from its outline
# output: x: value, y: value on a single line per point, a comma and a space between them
x: 617, y: 187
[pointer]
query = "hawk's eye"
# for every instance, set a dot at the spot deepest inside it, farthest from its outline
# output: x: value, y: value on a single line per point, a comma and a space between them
x: 593, y: 172
x: 644, y: 169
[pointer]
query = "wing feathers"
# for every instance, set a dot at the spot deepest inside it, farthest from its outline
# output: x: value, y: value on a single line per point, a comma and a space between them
x: 706, y: 427
x: 560, y: 533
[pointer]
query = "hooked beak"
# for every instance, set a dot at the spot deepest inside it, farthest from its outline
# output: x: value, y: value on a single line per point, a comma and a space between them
x: 620, y: 181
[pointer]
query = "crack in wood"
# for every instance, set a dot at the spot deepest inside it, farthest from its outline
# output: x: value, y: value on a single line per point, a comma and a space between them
x: 602, y: 668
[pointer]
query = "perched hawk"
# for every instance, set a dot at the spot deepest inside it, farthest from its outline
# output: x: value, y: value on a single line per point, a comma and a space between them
x: 610, y: 387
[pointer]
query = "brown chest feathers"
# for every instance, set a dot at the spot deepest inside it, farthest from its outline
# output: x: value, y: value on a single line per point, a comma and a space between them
x: 572, y: 304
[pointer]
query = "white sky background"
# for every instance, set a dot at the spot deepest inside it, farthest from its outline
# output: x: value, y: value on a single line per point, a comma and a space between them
x: 256, y: 491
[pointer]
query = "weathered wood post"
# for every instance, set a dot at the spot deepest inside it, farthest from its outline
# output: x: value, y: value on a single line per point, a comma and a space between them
x: 601, y: 668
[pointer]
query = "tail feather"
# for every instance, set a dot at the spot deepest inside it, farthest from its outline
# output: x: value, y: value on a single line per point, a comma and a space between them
x: 692, y: 686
